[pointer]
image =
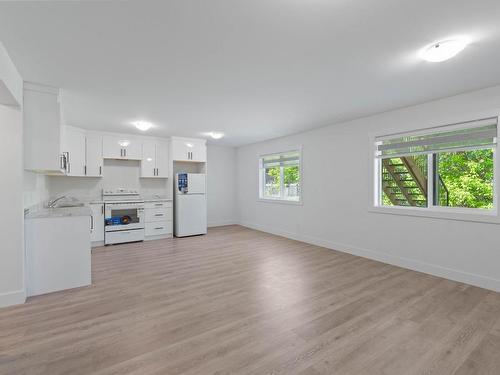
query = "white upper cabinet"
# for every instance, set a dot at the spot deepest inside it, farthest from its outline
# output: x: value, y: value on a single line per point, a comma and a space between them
x: 162, y: 159
x: 83, y: 152
x: 93, y: 155
x: 74, y: 147
x: 118, y: 147
x: 42, y: 130
x: 199, y: 152
x: 154, y: 159
x: 189, y: 149
x: 148, y: 164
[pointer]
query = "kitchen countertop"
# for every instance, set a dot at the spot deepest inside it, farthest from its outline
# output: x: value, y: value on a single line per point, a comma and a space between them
x: 58, y: 212
x: 146, y: 198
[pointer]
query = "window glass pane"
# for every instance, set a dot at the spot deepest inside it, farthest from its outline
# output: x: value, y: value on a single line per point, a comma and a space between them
x: 291, y: 181
x: 279, y: 176
x: 464, y: 179
x: 272, y: 186
x: 404, y: 181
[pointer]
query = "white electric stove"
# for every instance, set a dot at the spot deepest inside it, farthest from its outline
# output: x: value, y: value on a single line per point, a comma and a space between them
x: 123, y: 216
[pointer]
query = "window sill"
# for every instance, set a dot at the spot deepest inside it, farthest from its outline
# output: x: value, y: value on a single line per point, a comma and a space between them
x: 470, y: 215
x: 280, y: 201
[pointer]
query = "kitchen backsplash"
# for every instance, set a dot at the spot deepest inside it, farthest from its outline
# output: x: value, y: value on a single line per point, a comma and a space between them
x: 35, y: 189
x: 116, y: 174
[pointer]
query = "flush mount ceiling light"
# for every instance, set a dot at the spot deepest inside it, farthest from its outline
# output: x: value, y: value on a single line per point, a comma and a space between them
x: 216, y: 135
x: 124, y: 143
x: 443, y: 50
x: 143, y: 125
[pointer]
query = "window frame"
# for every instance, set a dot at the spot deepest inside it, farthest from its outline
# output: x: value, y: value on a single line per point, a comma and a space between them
x: 432, y: 210
x: 261, y: 172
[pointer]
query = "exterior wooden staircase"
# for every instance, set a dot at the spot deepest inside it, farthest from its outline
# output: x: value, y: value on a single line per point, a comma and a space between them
x: 404, y: 181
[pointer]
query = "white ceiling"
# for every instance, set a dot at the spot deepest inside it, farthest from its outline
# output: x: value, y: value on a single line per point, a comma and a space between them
x: 254, y: 69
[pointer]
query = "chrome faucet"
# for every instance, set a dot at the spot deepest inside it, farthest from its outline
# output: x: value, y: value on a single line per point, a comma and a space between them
x: 52, y: 203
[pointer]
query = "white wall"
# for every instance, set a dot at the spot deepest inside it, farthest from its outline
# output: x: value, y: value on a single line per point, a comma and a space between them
x: 10, y: 79
x: 337, y: 163
x: 221, y: 189
x: 11, y: 200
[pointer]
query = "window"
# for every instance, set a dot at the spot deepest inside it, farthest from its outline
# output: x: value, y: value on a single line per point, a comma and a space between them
x: 280, y: 176
x: 446, y: 167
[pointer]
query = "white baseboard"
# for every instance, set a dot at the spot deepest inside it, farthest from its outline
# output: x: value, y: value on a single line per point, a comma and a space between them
x: 12, y: 298
x: 412, y: 264
x: 222, y: 223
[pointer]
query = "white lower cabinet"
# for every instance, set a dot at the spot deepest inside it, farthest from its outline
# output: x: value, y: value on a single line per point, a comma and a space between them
x: 159, y: 228
x: 97, y: 222
x: 158, y: 215
x: 121, y: 236
x: 57, y: 253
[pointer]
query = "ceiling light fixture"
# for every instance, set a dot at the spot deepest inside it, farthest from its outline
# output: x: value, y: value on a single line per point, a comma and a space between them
x: 216, y: 135
x: 124, y: 143
x: 443, y: 50
x: 142, y: 125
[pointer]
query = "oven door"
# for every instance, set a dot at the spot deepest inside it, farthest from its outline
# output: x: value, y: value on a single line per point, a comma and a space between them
x: 123, y: 216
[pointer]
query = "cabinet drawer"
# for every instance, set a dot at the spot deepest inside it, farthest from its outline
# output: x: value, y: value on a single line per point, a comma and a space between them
x: 158, y: 214
x: 121, y: 236
x: 159, y: 228
x: 157, y: 204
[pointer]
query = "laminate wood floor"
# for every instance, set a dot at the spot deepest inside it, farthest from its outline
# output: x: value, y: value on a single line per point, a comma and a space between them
x: 239, y: 301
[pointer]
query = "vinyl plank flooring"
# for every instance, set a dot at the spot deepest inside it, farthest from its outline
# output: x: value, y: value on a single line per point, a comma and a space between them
x: 239, y: 301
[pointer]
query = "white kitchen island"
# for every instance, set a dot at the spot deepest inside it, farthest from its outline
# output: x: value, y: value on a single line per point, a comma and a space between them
x: 58, y: 252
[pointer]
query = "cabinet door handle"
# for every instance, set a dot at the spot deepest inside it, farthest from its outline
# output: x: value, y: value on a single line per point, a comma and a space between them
x: 158, y: 214
x: 100, y: 170
x: 159, y: 204
x: 85, y: 170
x: 159, y: 228
x: 68, y: 163
x: 125, y: 151
x: 102, y: 209
x: 121, y: 152
x: 91, y: 222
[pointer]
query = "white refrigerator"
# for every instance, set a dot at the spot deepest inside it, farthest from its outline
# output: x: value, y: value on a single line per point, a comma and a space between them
x: 190, y: 204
